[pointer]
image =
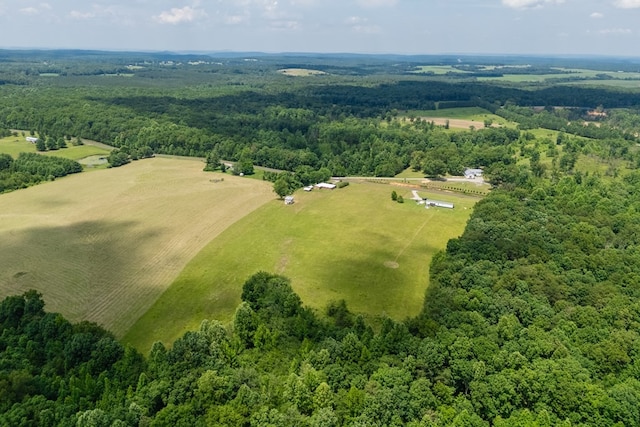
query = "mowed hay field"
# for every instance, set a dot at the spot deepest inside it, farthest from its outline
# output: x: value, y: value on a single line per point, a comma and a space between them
x: 353, y: 243
x: 103, y: 246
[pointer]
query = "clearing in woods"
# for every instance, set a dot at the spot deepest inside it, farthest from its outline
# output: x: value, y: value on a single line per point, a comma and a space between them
x: 352, y: 243
x: 103, y: 246
x: 301, y: 72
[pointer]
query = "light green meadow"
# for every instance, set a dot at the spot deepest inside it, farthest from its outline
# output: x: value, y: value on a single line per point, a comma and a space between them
x: 14, y: 145
x: 353, y: 243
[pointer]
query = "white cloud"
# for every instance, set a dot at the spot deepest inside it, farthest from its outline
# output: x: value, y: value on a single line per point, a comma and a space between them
x: 284, y: 25
x: 235, y: 19
x: 361, y: 25
x: 179, y: 15
x: 596, y: 15
x: 615, y: 31
x: 112, y: 13
x: 302, y: 2
x: 627, y: 4
x: 76, y: 14
x: 376, y: 3
x: 354, y: 20
x: 240, y: 11
x: 35, y: 10
x: 528, y: 4
x: 29, y: 11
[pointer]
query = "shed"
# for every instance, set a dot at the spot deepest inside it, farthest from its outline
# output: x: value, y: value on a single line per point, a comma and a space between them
x: 437, y: 203
x: 325, y: 185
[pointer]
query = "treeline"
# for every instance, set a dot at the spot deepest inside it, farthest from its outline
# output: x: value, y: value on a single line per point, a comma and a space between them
x: 31, y: 168
x: 538, y: 303
x: 54, y: 373
x: 340, y: 126
x: 567, y: 120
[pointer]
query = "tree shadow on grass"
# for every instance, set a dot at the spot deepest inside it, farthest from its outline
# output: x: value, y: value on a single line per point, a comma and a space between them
x: 84, y: 270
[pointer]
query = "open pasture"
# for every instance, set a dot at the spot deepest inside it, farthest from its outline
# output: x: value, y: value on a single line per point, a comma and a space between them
x: 460, y: 118
x: 464, y: 113
x: 301, y: 72
x: 584, y: 75
x: 438, y: 70
x: 14, y: 145
x: 353, y: 243
x: 103, y: 246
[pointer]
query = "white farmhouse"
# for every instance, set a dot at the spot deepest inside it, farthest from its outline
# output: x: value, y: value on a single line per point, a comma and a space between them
x: 472, y: 173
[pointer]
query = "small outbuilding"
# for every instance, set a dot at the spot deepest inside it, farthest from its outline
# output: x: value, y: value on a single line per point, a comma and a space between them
x: 288, y: 200
x: 325, y: 185
x: 437, y: 204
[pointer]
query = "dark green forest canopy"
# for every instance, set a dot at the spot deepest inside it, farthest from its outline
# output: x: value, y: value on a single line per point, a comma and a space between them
x: 30, y: 168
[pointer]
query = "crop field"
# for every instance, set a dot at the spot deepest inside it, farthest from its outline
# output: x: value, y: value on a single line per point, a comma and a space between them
x: 103, y: 246
x: 353, y: 243
x: 14, y: 145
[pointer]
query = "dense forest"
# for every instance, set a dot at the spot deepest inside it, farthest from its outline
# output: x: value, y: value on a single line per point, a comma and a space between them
x: 30, y: 168
x: 532, y: 316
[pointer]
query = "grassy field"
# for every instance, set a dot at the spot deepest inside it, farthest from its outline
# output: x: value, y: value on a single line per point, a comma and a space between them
x: 438, y: 70
x: 568, y: 73
x: 464, y: 113
x: 301, y: 72
x: 460, y: 118
x: 103, y: 246
x: 352, y: 243
x: 14, y: 145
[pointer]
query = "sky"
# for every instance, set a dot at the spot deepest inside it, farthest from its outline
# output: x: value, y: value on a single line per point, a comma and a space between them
x: 551, y: 27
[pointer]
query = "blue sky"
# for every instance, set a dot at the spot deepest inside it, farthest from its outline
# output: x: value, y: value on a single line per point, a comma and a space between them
x: 599, y: 27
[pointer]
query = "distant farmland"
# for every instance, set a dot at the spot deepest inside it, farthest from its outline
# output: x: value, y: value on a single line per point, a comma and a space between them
x: 14, y: 145
x: 103, y: 246
x: 353, y: 243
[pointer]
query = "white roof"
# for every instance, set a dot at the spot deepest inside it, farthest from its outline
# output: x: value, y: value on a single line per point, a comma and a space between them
x: 325, y: 185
